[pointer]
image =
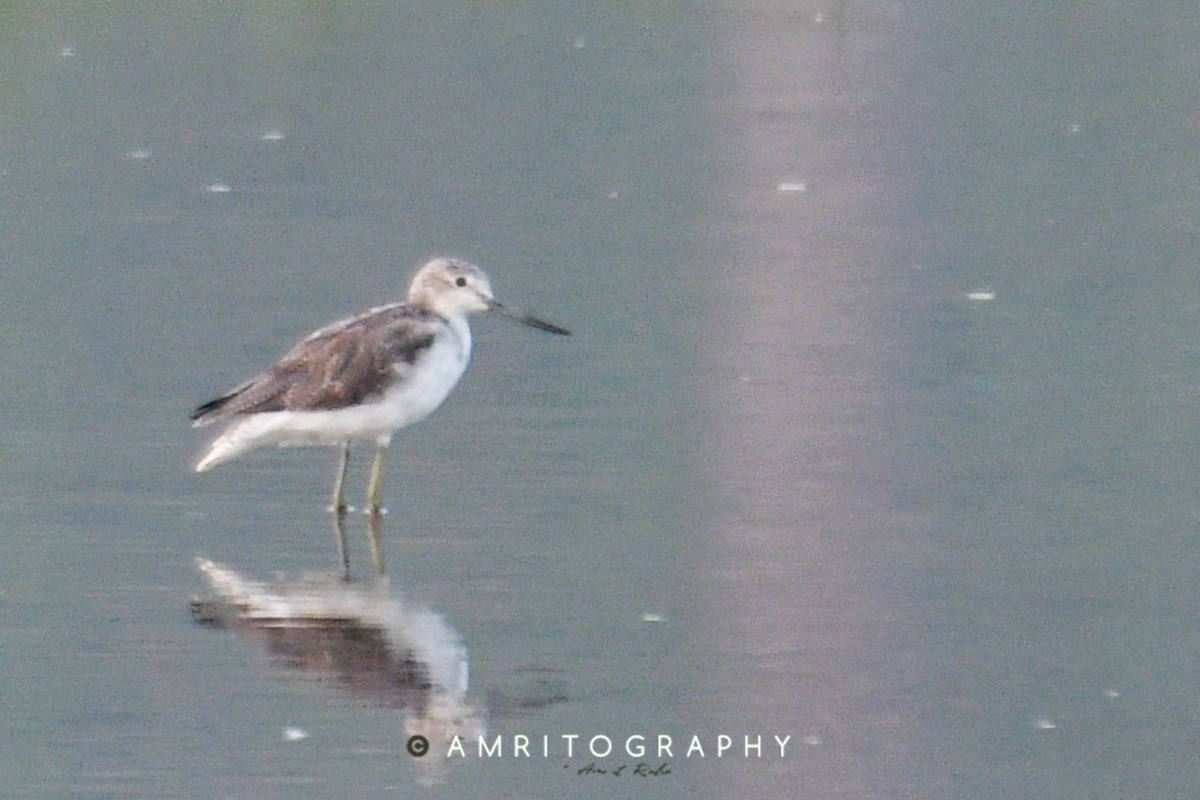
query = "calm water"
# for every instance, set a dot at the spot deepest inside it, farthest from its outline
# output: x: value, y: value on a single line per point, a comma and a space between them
x: 788, y: 478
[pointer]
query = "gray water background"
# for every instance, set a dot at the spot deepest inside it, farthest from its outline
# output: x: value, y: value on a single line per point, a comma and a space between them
x: 948, y: 545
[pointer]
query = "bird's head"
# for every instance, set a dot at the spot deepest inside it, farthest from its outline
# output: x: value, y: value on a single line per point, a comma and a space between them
x: 452, y: 287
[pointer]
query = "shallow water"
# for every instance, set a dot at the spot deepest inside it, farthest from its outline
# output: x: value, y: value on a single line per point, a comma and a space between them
x: 877, y: 429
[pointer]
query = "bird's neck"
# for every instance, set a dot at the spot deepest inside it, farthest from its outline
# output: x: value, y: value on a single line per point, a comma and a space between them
x: 462, y: 332
x: 433, y: 302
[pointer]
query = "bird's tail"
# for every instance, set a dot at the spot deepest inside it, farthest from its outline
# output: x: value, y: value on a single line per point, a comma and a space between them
x: 243, y: 435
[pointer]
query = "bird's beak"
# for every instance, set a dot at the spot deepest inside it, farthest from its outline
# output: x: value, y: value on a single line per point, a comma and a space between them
x: 524, y: 319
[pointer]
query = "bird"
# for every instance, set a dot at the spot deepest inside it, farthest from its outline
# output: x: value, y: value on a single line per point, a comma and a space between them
x: 363, y: 377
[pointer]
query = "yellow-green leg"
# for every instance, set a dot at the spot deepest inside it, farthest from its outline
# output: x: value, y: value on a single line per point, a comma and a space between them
x: 339, y: 528
x: 338, y: 507
x: 375, y: 535
x: 375, y: 487
x: 375, y: 511
x: 338, y: 504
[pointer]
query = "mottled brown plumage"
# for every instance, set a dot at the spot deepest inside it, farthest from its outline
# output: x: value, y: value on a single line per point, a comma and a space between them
x: 341, y: 365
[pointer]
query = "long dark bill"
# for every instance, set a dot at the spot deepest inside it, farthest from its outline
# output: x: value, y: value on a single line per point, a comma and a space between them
x: 532, y: 322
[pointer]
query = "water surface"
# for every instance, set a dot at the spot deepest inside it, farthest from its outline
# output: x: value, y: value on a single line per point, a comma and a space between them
x: 787, y: 477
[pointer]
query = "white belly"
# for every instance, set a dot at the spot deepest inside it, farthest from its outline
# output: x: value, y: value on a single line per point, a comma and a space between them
x: 419, y: 389
x: 417, y: 393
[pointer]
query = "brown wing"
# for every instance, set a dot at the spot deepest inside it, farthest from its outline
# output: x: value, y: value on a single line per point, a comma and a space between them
x: 340, y: 365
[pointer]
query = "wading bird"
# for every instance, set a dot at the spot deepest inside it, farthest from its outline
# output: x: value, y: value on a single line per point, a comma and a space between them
x: 364, y: 377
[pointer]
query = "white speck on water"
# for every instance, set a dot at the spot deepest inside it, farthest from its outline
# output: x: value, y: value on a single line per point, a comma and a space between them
x: 981, y: 295
x: 294, y: 734
x: 273, y: 135
x: 140, y: 154
x: 67, y: 52
x: 1074, y: 128
x: 1045, y: 724
x: 818, y: 18
x: 792, y: 187
x: 219, y: 188
x: 650, y: 616
x: 579, y: 43
x: 812, y: 741
x: 613, y: 195
x: 1111, y: 694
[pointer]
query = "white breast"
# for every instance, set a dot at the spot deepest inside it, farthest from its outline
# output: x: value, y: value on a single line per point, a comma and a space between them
x: 422, y: 387
x: 419, y: 389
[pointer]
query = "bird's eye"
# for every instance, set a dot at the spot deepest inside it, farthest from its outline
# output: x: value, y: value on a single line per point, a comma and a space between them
x: 460, y: 281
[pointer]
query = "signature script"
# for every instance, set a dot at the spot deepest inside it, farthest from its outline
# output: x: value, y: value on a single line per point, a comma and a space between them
x: 641, y: 770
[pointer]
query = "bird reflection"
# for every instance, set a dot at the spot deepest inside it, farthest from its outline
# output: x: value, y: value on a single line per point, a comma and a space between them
x: 361, y: 638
